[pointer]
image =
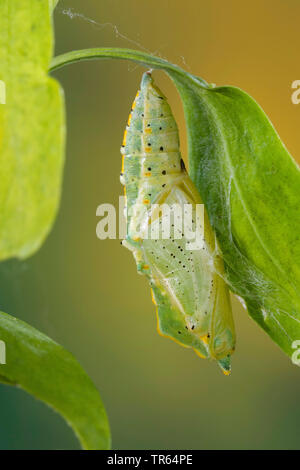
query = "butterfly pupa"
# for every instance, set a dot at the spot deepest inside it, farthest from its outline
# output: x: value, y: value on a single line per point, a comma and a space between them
x: 188, y: 289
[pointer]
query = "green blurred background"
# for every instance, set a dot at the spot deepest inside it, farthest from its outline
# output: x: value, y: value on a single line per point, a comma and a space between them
x: 86, y: 294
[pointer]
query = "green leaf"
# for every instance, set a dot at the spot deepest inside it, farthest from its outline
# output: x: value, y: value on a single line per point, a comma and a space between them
x: 250, y: 185
x: 50, y: 373
x: 31, y: 128
x: 53, y: 3
x: 31, y: 162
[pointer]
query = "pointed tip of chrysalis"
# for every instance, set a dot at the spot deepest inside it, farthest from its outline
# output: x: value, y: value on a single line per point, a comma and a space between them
x: 225, y: 365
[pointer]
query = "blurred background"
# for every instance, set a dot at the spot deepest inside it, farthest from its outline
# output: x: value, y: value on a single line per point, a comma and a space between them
x: 85, y: 293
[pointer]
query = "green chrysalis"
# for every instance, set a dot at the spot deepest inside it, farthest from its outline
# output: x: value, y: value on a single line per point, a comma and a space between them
x: 192, y: 299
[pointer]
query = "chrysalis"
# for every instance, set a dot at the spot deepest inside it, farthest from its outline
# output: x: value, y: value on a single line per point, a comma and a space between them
x: 192, y: 299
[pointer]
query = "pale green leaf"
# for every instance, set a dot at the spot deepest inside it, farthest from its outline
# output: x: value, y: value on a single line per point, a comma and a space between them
x: 31, y: 162
x: 31, y: 128
x: 53, y: 3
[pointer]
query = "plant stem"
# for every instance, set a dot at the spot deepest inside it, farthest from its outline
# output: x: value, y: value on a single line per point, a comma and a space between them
x: 142, y: 58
